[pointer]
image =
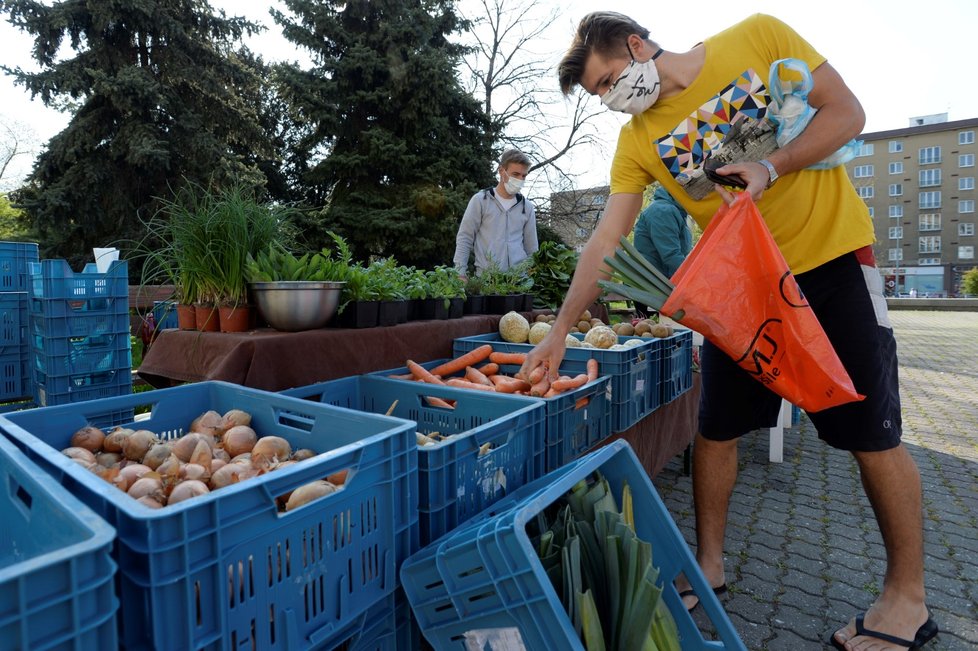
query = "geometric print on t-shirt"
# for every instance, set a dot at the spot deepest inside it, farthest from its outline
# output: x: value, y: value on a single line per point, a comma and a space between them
x: 682, y: 149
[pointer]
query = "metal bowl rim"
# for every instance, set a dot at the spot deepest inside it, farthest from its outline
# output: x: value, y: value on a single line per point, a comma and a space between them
x: 296, y: 284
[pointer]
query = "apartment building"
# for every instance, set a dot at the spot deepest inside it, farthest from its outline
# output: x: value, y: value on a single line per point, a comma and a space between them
x: 919, y: 185
x: 574, y: 214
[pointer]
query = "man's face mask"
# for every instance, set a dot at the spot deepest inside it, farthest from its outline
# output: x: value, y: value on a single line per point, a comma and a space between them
x: 513, y: 184
x: 636, y: 89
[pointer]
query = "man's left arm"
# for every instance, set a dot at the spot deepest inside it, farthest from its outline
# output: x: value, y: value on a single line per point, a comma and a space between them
x: 839, y: 119
x: 530, y: 241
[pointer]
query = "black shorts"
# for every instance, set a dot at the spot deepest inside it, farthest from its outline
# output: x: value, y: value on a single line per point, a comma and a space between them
x: 846, y: 295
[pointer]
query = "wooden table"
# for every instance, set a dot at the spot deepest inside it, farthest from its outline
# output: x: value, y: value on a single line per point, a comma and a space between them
x: 274, y: 361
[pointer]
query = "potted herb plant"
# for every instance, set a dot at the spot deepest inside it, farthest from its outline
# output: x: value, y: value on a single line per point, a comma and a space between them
x: 388, y: 284
x: 475, y: 301
x: 358, y: 302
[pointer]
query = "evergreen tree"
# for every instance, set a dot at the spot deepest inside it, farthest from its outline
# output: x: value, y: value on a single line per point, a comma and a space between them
x: 160, y: 98
x: 394, y: 146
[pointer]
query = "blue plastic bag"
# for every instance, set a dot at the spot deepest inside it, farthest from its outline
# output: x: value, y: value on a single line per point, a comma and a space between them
x: 790, y: 111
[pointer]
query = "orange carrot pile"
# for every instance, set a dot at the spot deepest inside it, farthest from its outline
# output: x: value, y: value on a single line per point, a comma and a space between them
x: 479, y: 370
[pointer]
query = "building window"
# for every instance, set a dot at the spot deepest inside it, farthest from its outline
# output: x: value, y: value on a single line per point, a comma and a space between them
x: 930, y: 199
x: 872, y: 212
x: 930, y: 177
x: 966, y: 137
x: 896, y: 146
x: 965, y: 206
x: 925, y: 262
x: 896, y: 189
x: 966, y: 183
x: 929, y: 155
x: 866, y: 192
x: 896, y: 168
x: 896, y: 211
x: 966, y: 252
x: 896, y: 232
x: 966, y: 160
x: 865, y: 149
x: 966, y: 228
x: 862, y: 171
x: 930, y: 244
x: 895, y: 254
x: 930, y: 222
x: 597, y: 200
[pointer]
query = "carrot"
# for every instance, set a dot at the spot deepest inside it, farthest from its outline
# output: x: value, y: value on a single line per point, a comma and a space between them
x: 409, y: 376
x: 592, y: 369
x: 537, y: 374
x: 435, y: 401
x: 507, y: 358
x: 459, y: 383
x: 506, y: 384
x: 470, y: 358
x: 551, y: 393
x: 472, y: 375
x: 581, y: 402
x: 571, y: 383
x: 422, y: 373
x: 489, y: 369
x: 541, y: 386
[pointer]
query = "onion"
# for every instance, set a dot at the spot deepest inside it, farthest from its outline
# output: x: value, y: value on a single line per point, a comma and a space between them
x: 202, y: 455
x: 130, y: 475
x: 233, y: 418
x: 108, y: 473
x: 80, y: 454
x: 238, y: 440
x: 269, y: 450
x: 208, y: 422
x: 113, y: 442
x: 170, y: 468
x: 187, y: 489
x: 184, y: 446
x: 157, y: 454
x: 108, y: 458
x: 217, y: 464
x: 147, y: 487
x: 87, y: 465
x: 232, y: 473
x: 221, y: 454
x: 303, y: 454
x: 136, y: 445
x: 146, y: 500
x: 308, y: 493
x: 88, y: 437
x: 242, y: 458
x: 338, y: 478
x: 194, y: 471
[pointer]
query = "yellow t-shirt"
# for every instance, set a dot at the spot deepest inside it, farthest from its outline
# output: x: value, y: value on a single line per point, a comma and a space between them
x: 814, y: 215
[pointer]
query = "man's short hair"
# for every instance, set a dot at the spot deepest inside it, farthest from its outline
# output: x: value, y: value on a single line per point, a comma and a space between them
x: 513, y: 156
x: 603, y: 32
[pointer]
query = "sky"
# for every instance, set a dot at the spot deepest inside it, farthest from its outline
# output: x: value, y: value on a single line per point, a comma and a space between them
x: 902, y: 58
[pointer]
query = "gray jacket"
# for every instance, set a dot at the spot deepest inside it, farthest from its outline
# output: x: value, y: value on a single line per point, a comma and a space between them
x: 501, y: 237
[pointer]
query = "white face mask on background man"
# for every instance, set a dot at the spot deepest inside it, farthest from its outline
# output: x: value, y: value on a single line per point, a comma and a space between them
x: 636, y: 89
x: 513, y: 185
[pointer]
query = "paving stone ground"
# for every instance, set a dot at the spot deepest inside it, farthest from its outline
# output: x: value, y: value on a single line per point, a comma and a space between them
x: 803, y: 554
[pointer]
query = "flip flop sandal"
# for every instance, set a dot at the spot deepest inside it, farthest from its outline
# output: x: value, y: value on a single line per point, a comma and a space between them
x: 689, y: 592
x: 925, y: 634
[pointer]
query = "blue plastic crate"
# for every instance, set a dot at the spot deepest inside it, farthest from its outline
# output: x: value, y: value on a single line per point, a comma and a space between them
x: 57, y: 588
x: 226, y: 569
x: 165, y: 315
x: 56, y: 318
x: 634, y: 372
x: 455, y: 482
x: 387, y: 626
x: 53, y: 390
x: 14, y: 259
x: 15, y: 376
x: 54, y: 279
x: 64, y: 356
x: 677, y: 364
x: 486, y: 574
x: 13, y: 318
x: 577, y: 420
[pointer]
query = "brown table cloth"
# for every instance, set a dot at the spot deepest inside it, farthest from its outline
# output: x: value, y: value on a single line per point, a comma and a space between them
x: 273, y: 361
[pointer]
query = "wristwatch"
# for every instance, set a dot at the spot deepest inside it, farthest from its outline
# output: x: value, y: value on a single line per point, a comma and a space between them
x: 772, y: 173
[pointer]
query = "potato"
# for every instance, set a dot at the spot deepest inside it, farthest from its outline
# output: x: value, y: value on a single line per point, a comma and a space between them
x: 585, y: 316
x: 625, y: 330
x: 642, y: 327
x: 583, y: 326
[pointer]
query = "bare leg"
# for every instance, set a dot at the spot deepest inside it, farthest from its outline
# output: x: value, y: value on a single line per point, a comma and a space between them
x: 892, y: 483
x: 714, y: 476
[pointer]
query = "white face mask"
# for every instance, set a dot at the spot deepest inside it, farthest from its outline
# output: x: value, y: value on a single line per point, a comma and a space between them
x: 636, y: 89
x: 513, y: 185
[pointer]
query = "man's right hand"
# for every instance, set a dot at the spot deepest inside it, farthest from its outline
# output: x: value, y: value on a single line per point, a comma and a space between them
x: 549, y: 353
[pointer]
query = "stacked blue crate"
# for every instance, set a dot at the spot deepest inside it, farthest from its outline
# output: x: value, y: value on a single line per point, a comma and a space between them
x: 79, y: 334
x: 15, y: 376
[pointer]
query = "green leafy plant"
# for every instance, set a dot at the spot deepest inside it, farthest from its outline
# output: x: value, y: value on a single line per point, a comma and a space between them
x: 515, y: 280
x: 969, y: 282
x: 387, y: 280
x: 277, y: 264
x: 446, y: 283
x: 552, y: 270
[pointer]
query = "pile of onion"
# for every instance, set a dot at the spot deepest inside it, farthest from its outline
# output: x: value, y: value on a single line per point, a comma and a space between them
x: 216, y: 452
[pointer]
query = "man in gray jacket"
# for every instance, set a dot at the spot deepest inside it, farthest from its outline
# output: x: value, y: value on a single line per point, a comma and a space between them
x: 499, y: 223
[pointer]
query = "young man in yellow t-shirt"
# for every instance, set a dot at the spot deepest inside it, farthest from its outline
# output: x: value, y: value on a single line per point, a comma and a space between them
x: 683, y: 104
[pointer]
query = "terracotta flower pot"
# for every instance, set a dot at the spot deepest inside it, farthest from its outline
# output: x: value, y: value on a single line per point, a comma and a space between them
x: 207, y: 317
x: 186, y: 317
x: 235, y: 318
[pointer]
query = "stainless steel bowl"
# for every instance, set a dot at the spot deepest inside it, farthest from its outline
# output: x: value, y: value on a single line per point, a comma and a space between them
x: 297, y: 305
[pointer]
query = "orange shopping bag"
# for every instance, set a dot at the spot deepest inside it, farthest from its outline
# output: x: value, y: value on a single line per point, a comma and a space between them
x: 737, y: 290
